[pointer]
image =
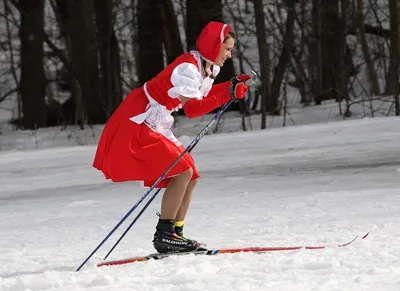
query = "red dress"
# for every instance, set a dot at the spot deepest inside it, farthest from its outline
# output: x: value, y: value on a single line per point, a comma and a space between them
x: 137, y: 143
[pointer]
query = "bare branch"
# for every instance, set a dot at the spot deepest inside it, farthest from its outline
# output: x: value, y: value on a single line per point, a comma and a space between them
x: 9, y: 93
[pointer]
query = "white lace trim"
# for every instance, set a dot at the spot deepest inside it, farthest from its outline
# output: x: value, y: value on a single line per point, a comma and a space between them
x: 158, y: 118
x: 198, y: 57
x: 188, y: 82
x: 221, y: 34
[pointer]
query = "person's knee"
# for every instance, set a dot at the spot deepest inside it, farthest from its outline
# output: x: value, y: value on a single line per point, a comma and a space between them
x: 193, y: 183
x: 186, y: 175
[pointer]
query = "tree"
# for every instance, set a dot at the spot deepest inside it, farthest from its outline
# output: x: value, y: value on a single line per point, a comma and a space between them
x: 151, y: 58
x: 170, y: 30
x: 264, y: 59
x: 284, y: 58
x: 32, y: 83
x: 395, y: 51
x: 330, y: 62
x: 373, y: 77
x: 315, y: 51
x: 110, y: 72
x: 80, y: 32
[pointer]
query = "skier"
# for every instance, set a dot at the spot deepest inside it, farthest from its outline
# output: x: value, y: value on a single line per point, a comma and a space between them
x: 137, y: 143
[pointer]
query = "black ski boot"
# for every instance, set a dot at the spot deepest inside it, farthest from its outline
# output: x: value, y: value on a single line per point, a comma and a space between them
x: 167, y: 240
x: 179, y: 231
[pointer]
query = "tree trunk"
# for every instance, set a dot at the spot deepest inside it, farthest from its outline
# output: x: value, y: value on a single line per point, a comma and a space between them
x: 109, y: 56
x: 8, y: 12
x: 395, y: 51
x: 373, y: 77
x: 302, y: 81
x: 134, y: 27
x: 315, y: 52
x: 198, y: 14
x: 150, y: 38
x: 284, y: 59
x: 344, y: 69
x: 72, y: 111
x: 32, y: 83
x: 81, y: 32
x: 330, y: 46
x: 264, y: 59
x: 170, y: 31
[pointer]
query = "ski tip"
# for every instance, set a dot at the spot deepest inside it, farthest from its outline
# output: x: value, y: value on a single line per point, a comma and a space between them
x: 365, y: 236
x: 348, y: 243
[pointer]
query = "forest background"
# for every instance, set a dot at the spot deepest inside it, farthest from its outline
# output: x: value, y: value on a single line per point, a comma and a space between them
x: 71, y: 62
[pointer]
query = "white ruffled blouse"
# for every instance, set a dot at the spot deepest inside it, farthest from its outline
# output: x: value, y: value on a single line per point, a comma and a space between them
x: 187, y: 81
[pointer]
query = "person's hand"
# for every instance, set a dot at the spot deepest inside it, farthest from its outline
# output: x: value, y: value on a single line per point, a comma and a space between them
x: 238, y: 90
x: 241, y: 78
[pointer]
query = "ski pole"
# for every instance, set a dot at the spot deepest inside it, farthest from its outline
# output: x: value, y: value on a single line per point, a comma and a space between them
x: 132, y: 223
x: 137, y: 217
x: 254, y: 76
x: 188, y: 148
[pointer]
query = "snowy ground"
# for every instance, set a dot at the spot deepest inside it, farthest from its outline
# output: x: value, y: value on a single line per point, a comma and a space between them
x: 304, y: 185
x: 184, y: 128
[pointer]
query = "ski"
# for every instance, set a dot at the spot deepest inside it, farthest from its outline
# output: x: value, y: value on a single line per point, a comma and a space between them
x: 210, y: 252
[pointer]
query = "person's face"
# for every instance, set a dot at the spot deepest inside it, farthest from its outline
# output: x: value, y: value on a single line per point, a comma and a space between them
x: 225, y: 51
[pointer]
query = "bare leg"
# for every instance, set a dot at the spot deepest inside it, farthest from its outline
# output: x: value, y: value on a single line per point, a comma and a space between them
x: 186, y: 201
x: 176, y: 199
x: 174, y: 193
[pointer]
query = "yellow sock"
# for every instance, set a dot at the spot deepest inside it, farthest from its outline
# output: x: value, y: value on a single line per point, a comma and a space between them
x: 179, y: 223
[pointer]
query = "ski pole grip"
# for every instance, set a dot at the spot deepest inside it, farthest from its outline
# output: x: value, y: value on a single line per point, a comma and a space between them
x: 252, y: 80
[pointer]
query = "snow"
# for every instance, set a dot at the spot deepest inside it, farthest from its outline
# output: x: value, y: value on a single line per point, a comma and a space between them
x: 321, y: 180
x: 314, y: 184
